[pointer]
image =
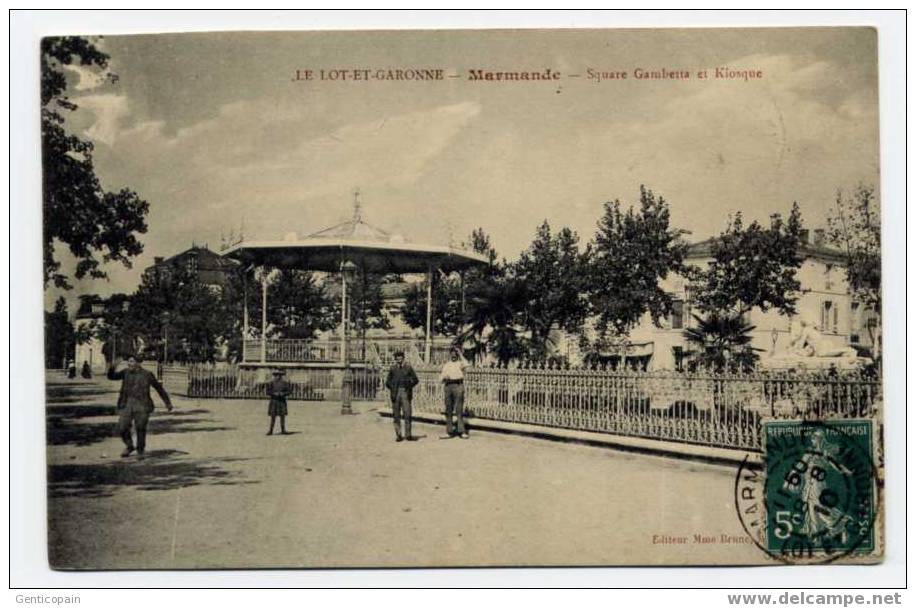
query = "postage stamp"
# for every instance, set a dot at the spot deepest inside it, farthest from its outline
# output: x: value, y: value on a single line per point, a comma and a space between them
x: 815, y: 501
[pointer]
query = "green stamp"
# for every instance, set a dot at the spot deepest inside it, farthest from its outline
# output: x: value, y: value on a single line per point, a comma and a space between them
x: 819, y: 489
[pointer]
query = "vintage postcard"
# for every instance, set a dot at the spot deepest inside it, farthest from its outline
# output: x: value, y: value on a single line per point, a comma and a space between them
x: 458, y: 298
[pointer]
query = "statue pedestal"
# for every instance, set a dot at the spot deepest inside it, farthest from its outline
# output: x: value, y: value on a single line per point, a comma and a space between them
x: 782, y: 361
x: 324, y: 380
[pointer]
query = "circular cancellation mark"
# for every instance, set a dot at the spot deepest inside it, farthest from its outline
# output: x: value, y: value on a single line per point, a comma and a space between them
x: 814, y: 502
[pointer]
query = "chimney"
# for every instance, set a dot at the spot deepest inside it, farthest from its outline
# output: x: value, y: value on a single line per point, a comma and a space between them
x: 818, y: 237
x: 805, y: 238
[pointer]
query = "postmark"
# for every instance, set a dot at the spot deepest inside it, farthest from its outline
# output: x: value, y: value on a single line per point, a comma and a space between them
x: 814, y: 501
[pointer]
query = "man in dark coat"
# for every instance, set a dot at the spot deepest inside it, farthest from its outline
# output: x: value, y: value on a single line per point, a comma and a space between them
x: 134, y: 402
x: 400, y: 382
x: 278, y: 390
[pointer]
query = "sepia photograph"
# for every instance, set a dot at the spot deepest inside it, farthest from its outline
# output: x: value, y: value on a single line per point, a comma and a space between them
x: 463, y: 298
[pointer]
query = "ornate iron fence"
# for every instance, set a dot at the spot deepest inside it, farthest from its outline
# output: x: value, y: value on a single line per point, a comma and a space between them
x: 721, y: 410
x: 709, y: 409
x: 308, y: 384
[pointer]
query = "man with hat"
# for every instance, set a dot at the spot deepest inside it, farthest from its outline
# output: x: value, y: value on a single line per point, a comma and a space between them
x: 277, y: 390
x: 400, y: 382
x: 134, y: 402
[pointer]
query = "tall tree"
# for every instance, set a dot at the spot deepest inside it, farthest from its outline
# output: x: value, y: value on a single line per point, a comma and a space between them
x: 59, y: 335
x: 298, y: 306
x: 450, y: 303
x: 752, y: 267
x: 448, y: 316
x: 174, y: 311
x: 367, y: 302
x: 632, y: 251
x: 854, y: 226
x: 552, y: 274
x: 116, y: 329
x: 96, y: 225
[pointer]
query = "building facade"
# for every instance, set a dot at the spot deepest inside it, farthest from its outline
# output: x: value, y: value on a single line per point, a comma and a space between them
x: 824, y: 302
x: 89, y: 317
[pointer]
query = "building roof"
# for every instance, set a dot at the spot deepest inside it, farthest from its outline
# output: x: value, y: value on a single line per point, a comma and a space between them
x: 356, y: 241
x: 206, y: 259
x: 356, y: 229
x: 703, y: 249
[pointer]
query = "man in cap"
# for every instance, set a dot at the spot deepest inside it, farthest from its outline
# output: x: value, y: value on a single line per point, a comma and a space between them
x: 278, y: 390
x: 400, y: 382
x: 134, y: 402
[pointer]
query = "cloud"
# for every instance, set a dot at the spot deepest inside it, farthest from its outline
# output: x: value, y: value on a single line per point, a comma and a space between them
x: 88, y: 78
x: 261, y: 160
x: 504, y: 161
x: 710, y: 148
x: 109, y: 111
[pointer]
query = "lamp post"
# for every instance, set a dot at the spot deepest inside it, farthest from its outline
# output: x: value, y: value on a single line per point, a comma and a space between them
x: 347, y: 274
x: 166, y: 319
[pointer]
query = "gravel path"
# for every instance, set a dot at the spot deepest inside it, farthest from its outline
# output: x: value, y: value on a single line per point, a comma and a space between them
x: 215, y: 492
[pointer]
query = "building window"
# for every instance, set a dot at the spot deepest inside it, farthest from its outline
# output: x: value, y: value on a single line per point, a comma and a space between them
x: 829, y: 317
x: 191, y: 264
x: 677, y: 314
x: 679, y: 356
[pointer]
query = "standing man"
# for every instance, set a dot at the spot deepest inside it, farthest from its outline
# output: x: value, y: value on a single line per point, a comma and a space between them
x: 134, y: 402
x: 400, y: 382
x: 452, y: 377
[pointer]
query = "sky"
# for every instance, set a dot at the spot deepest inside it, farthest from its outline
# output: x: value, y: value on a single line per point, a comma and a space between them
x: 215, y: 133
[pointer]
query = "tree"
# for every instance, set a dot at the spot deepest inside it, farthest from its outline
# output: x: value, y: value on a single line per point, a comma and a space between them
x: 479, y: 242
x: 97, y: 226
x: 448, y: 316
x: 109, y: 324
x: 367, y: 302
x: 722, y: 342
x: 491, y: 301
x: 60, y: 338
x: 551, y: 276
x: 854, y: 227
x: 633, y: 251
x: 175, y: 316
x: 298, y: 307
x: 492, y: 321
x: 752, y: 267
x: 450, y: 304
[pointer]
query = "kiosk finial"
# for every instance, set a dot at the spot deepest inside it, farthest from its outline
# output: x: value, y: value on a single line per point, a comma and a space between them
x: 357, y: 206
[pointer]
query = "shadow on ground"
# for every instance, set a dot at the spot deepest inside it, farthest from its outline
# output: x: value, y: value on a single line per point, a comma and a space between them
x: 80, y: 411
x: 65, y: 428
x: 74, y: 394
x: 161, y: 470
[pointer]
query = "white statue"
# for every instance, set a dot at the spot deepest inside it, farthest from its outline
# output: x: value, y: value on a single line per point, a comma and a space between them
x: 807, y: 341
